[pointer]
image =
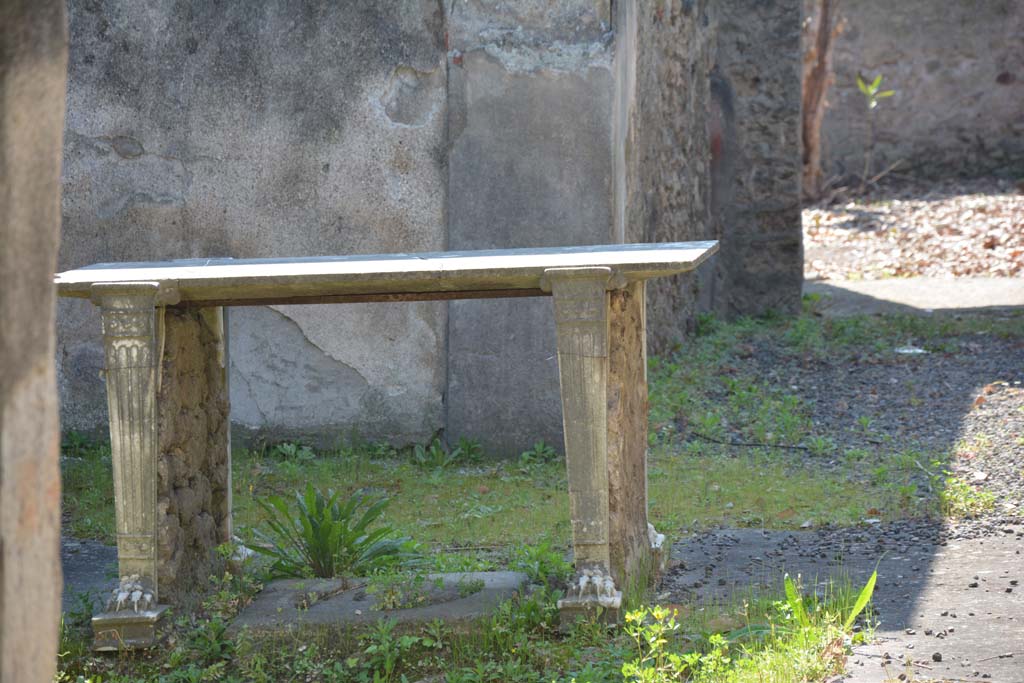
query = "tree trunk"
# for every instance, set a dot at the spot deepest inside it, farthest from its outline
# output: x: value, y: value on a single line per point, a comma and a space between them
x: 33, y: 73
x: 820, y: 28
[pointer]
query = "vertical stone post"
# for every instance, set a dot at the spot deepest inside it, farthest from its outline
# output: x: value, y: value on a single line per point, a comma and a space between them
x: 602, y: 361
x: 132, y: 336
x: 581, y: 326
x: 193, y: 497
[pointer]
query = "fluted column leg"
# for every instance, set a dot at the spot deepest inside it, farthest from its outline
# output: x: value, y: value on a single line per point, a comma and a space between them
x: 132, y: 319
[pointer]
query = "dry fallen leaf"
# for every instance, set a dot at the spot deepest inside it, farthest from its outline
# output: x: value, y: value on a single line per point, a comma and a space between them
x: 951, y: 227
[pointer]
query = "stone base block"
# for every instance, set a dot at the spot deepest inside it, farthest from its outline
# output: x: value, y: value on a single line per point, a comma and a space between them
x: 605, y: 608
x: 127, y: 630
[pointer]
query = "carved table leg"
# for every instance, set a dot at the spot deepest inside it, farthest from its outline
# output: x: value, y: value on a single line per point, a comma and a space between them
x: 132, y: 318
x: 602, y: 361
x: 581, y: 323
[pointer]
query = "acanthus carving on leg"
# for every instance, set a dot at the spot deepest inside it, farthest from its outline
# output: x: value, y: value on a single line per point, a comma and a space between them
x: 132, y: 315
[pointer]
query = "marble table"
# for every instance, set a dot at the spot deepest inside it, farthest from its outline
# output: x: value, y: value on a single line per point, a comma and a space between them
x: 166, y: 377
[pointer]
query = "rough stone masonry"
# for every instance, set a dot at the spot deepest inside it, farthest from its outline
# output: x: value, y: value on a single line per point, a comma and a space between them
x: 299, y: 128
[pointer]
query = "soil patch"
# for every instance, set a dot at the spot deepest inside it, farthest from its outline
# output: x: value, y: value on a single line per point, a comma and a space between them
x: 907, y: 227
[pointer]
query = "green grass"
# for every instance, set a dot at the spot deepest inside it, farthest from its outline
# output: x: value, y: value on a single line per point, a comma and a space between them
x: 478, y: 505
x: 755, y: 637
x: 87, y: 489
x: 471, y: 513
x: 702, y: 395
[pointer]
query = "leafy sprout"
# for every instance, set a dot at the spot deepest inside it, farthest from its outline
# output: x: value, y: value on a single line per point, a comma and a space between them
x: 872, y: 92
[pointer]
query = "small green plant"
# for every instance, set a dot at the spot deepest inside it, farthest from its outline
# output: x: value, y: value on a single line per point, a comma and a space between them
x: 653, y: 630
x: 460, y: 562
x: 435, y: 456
x: 873, y: 94
x: 821, y: 445
x: 959, y: 499
x: 292, y: 451
x: 235, y: 588
x: 325, y: 536
x: 471, y: 449
x: 76, y: 445
x: 707, y: 324
x: 542, y: 563
x: 210, y: 643
x: 467, y: 587
x: 400, y: 590
x: 798, y: 610
x: 475, y: 508
x: 435, y: 635
x: 383, y: 650
x: 537, y: 454
x: 863, y: 598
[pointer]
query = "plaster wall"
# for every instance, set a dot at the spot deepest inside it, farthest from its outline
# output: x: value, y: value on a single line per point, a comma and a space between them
x: 265, y: 129
x: 530, y: 165
x: 297, y: 128
x: 958, y: 72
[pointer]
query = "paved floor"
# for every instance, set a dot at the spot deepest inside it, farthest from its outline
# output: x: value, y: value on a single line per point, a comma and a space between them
x: 916, y: 295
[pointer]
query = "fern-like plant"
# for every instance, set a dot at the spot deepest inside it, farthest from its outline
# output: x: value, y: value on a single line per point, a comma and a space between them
x: 325, y: 536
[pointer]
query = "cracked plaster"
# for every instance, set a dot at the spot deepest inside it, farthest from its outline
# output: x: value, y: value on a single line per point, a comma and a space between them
x: 249, y: 130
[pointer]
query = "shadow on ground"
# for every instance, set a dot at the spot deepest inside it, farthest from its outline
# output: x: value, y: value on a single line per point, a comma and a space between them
x: 917, y: 296
x: 948, y: 601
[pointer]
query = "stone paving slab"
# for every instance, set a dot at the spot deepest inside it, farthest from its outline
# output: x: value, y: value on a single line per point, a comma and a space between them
x: 916, y: 295
x: 283, y: 606
x: 967, y: 612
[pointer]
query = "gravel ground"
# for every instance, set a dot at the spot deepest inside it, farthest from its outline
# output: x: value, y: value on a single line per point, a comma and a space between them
x: 910, y: 227
x: 971, y: 396
x: 947, y: 588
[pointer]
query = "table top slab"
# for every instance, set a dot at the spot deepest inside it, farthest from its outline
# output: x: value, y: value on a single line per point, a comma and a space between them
x: 229, y: 281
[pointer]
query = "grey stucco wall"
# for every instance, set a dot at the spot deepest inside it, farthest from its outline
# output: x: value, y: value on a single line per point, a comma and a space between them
x: 265, y: 129
x: 530, y: 88
x: 958, y: 72
x: 277, y: 129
